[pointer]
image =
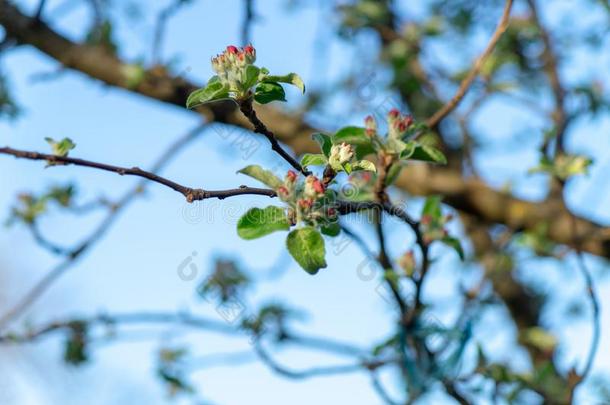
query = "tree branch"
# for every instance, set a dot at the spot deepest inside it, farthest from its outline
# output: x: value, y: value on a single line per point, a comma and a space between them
x: 435, y: 119
x: 191, y: 194
x: 470, y: 195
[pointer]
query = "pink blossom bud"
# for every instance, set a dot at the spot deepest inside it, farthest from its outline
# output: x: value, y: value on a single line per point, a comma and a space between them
x: 318, y: 186
x: 282, y: 191
x: 291, y: 176
x: 400, y: 126
x: 232, y: 49
x: 305, y: 203
x: 371, y: 125
x: 408, y: 121
x: 393, y: 114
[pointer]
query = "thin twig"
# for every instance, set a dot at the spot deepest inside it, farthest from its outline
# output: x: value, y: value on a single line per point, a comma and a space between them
x: 596, y: 314
x: 248, y: 110
x: 317, y: 371
x: 248, y: 19
x: 43, y: 284
x: 191, y: 194
x: 476, y: 68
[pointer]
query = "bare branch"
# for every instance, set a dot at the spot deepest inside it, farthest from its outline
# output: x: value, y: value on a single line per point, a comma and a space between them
x: 476, y: 68
x: 248, y: 110
x: 42, y: 285
x: 191, y: 194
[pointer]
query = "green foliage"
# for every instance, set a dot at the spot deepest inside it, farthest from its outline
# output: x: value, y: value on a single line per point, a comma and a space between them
x: 291, y: 78
x: 61, y: 148
x: 75, y: 346
x: 237, y: 76
x: 433, y: 225
x: 213, y: 91
x: 267, y: 92
x: 564, y: 166
x: 325, y: 143
x: 425, y: 153
x: 225, y: 282
x: 310, y: 159
x: 258, y: 222
x: 264, y: 176
x: 306, y: 246
x: 29, y: 207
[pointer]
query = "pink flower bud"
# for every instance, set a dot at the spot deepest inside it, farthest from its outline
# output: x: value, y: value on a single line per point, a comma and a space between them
x: 393, y: 114
x: 305, y: 203
x: 232, y: 49
x: 318, y: 186
x: 291, y: 176
x: 331, y: 212
x: 249, y: 49
x: 282, y: 191
x: 408, y: 121
x: 400, y: 126
x: 371, y: 125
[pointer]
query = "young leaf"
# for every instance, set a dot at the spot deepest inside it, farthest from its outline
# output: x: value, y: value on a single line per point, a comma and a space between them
x: 332, y: 229
x: 325, y: 143
x: 61, y: 148
x: 267, y: 92
x: 432, y: 207
x: 455, y: 244
x: 427, y: 153
x: 352, y: 136
x: 252, y: 73
x: 290, y: 78
x: 310, y: 159
x: 365, y: 165
x: 260, y: 222
x: 393, y: 173
x: 306, y: 246
x: 264, y: 176
x: 213, y: 91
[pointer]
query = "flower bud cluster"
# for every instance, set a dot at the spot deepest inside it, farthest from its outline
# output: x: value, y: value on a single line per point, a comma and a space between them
x: 398, y: 124
x: 231, y: 65
x: 340, y: 154
x: 305, y: 200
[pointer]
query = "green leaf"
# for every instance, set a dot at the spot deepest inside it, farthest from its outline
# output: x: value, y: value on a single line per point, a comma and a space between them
x: 213, y: 91
x: 267, y: 92
x: 310, y: 159
x: 252, y: 73
x: 393, y: 173
x: 332, y: 229
x: 455, y: 244
x: 264, y: 176
x: 290, y: 78
x: 306, y: 246
x: 260, y: 222
x: 365, y: 165
x: 324, y: 141
x: 427, y: 153
x: 352, y: 136
x: 432, y: 207
x: 61, y: 148
x: 564, y: 166
x: 347, y: 167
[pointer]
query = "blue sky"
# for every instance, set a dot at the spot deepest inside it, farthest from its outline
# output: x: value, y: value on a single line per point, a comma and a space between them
x: 134, y: 267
